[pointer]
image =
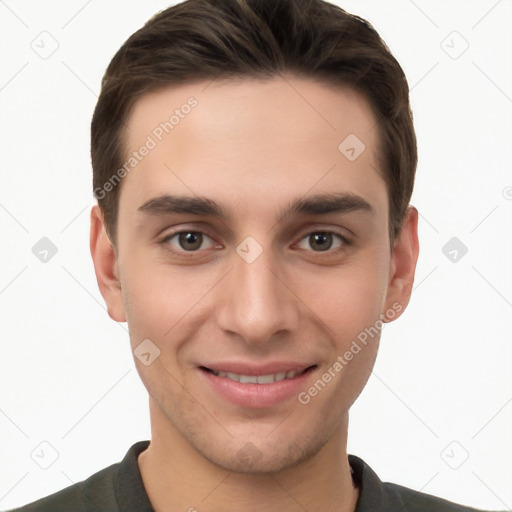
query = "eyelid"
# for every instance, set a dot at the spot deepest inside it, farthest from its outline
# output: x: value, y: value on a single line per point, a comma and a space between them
x: 342, y: 238
x: 164, y: 240
x: 315, y: 227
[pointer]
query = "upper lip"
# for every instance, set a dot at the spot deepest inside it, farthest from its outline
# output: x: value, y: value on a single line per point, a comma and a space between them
x: 251, y: 369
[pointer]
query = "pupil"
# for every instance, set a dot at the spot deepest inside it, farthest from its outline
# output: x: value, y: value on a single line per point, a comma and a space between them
x: 321, y: 241
x: 190, y: 241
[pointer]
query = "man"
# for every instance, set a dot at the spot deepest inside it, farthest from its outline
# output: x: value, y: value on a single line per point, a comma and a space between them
x: 253, y: 164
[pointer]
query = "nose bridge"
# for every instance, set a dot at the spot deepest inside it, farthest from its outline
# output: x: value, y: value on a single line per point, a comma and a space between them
x: 257, y: 304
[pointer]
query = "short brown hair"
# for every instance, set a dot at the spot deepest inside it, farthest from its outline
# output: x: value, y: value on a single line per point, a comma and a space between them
x: 206, y: 39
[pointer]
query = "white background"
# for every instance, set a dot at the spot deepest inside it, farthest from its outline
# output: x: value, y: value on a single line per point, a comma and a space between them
x: 442, y: 385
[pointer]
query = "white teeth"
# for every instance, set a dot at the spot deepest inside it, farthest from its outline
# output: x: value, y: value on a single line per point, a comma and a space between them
x: 248, y: 379
x: 265, y: 379
x: 256, y: 379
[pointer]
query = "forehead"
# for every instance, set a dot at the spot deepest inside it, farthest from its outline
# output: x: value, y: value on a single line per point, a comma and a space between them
x: 249, y: 137
x: 235, y: 108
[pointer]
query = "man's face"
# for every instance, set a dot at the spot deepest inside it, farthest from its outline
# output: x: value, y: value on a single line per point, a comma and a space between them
x: 285, y: 280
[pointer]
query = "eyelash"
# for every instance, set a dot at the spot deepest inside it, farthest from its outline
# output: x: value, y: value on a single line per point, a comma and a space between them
x: 188, y: 254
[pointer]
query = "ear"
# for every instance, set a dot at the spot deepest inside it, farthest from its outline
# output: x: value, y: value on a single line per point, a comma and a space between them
x: 403, y: 266
x: 106, y: 266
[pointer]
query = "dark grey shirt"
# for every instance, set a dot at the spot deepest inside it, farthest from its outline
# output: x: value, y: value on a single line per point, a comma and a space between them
x: 119, y: 488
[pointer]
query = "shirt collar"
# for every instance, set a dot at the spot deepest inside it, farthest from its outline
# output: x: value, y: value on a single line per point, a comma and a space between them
x: 372, y: 494
x: 132, y: 497
x: 130, y: 493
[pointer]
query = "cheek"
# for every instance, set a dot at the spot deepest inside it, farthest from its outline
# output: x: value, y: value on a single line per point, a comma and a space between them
x: 159, y: 305
x: 350, y: 298
x: 350, y: 306
x: 159, y: 298
x: 347, y: 375
x: 150, y: 303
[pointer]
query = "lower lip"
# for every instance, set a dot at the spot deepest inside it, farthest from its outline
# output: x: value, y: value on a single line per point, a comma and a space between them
x: 256, y: 396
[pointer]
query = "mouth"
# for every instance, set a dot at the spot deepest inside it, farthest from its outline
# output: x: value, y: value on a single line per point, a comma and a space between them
x: 257, y: 387
x: 268, y: 378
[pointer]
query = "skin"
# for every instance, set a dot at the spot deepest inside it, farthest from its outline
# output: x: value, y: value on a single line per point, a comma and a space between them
x: 253, y: 147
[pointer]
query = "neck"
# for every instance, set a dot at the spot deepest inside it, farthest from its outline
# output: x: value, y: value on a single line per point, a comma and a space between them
x: 177, y: 477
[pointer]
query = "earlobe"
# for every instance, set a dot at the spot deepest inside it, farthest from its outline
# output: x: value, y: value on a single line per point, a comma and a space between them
x: 106, y: 266
x: 404, y: 257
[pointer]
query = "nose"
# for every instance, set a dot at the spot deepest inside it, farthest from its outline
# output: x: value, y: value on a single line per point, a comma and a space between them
x: 257, y: 302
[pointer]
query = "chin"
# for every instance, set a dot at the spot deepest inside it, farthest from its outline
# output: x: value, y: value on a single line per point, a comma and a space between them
x: 261, y: 456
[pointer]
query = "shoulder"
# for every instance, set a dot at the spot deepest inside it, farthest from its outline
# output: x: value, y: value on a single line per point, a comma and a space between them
x: 97, y: 491
x: 415, y: 501
x: 378, y: 496
x: 117, y: 487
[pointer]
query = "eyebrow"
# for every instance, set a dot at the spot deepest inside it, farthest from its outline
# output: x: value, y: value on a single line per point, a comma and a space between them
x: 319, y: 204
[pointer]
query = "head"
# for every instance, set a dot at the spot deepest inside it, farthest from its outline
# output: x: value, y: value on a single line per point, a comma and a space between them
x: 204, y: 40
x: 253, y: 164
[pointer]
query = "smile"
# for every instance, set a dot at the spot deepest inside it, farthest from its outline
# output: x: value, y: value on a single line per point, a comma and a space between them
x: 256, y: 379
x: 248, y: 386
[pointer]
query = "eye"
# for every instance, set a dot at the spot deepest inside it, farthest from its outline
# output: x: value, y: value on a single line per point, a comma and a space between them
x: 321, y: 241
x: 188, y: 241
